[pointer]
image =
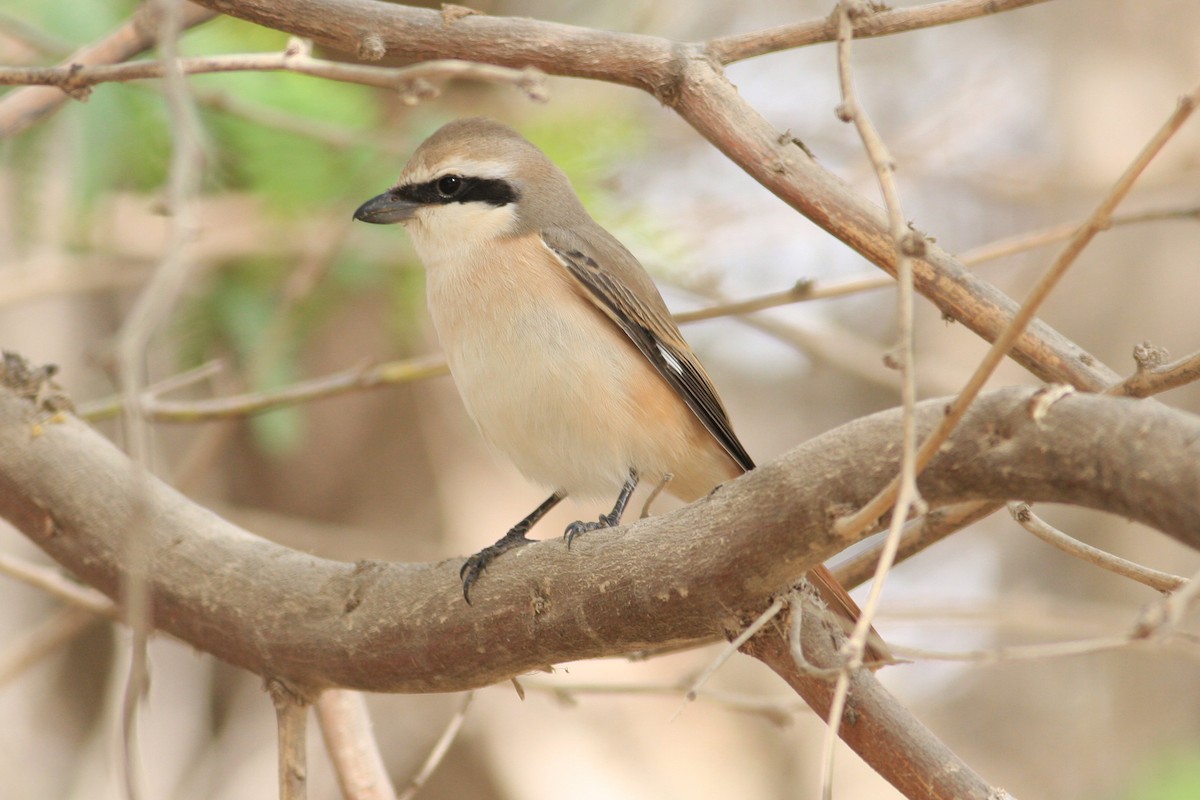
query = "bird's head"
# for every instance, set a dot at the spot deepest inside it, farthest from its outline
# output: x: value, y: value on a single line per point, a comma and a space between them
x: 472, y: 182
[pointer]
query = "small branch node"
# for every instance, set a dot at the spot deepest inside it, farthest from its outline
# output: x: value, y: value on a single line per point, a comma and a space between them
x: 297, y: 48
x: 1021, y: 512
x: 416, y: 90
x: 371, y: 47
x: 1148, y: 356
x: 1042, y: 400
x: 913, y: 243
x: 533, y: 83
x: 452, y: 13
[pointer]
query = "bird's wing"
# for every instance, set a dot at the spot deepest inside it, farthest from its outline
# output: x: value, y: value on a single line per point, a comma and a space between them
x: 645, y: 320
x: 606, y: 270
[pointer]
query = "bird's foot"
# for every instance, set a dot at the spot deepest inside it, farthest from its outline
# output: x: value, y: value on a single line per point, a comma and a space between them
x: 578, y: 527
x: 474, y: 566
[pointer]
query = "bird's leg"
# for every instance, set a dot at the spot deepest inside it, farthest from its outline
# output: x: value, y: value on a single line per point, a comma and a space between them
x: 476, y: 564
x: 610, y: 520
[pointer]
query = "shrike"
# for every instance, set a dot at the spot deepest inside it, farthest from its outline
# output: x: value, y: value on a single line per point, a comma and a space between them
x: 563, y: 351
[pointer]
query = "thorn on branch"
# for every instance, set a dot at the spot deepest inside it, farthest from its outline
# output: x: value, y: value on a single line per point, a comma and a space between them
x: 1043, y: 399
x: 452, y: 13
x: 804, y: 148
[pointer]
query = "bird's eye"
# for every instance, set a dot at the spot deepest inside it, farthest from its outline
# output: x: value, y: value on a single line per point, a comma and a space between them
x: 449, y: 185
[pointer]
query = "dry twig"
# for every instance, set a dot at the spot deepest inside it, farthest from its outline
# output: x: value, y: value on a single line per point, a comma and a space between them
x: 1161, y: 581
x: 43, y: 639
x: 1097, y: 222
x: 291, y: 718
x: 24, y: 108
x: 439, y: 749
x: 413, y: 83
x: 727, y: 49
x: 907, y: 243
x: 346, y: 728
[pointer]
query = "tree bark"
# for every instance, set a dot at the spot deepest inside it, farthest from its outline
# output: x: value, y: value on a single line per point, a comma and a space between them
x: 669, y: 580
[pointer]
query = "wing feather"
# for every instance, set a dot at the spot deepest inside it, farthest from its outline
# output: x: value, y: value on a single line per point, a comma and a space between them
x: 647, y: 324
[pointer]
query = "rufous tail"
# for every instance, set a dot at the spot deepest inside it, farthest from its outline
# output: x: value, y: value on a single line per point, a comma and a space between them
x: 842, y: 604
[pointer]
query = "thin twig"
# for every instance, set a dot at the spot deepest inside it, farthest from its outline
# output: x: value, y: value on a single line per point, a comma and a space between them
x: 914, y: 761
x: 346, y: 727
x: 1162, y: 581
x: 43, y: 639
x: 802, y: 291
x: 1098, y: 220
x: 727, y: 651
x: 25, y: 107
x: 439, y: 749
x: 412, y: 82
x: 340, y: 137
x: 808, y: 289
x: 1041, y: 237
x: 291, y: 719
x: 31, y: 36
x: 918, y: 535
x: 1165, y: 614
x: 1028, y: 652
x: 907, y: 244
x: 152, y: 307
x: 54, y: 583
x: 795, y: 643
x: 393, y: 372
x: 1152, y: 376
x: 778, y: 711
x: 727, y: 49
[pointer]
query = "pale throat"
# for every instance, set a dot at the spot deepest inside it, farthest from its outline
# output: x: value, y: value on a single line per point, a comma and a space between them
x: 447, y: 236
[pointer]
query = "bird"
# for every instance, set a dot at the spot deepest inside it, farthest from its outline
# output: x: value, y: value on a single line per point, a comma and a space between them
x: 558, y: 341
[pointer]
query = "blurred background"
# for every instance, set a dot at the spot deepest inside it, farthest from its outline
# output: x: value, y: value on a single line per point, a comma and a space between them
x: 999, y: 126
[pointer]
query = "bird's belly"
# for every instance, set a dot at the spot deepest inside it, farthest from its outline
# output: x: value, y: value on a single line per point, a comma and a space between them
x: 553, y: 385
x: 551, y: 398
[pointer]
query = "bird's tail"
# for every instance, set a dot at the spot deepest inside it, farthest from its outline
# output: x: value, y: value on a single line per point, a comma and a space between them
x: 842, y: 604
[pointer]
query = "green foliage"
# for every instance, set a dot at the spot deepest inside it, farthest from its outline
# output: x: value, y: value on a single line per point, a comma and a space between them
x: 286, y: 168
x: 1172, y: 776
x: 289, y: 170
x: 586, y: 146
x: 302, y: 148
x: 84, y: 22
x: 242, y: 314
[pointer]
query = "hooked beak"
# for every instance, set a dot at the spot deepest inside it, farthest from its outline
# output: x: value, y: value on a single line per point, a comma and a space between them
x: 386, y: 209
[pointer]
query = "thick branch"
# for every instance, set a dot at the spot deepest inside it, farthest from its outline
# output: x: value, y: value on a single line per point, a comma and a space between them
x: 668, y: 580
x: 916, y: 763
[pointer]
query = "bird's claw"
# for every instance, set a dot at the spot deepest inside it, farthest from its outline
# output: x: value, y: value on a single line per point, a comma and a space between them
x: 579, y: 526
x: 474, y: 566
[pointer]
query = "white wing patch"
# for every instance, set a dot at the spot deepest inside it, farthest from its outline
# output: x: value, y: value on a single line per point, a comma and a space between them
x: 669, y: 358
